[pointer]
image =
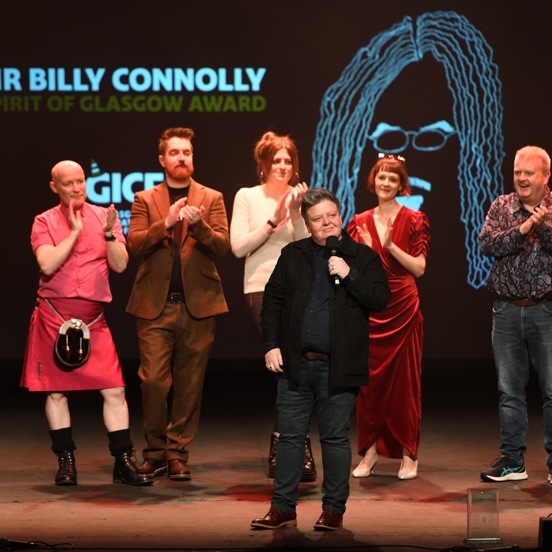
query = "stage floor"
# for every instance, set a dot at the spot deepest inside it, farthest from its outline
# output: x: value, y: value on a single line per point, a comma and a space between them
x: 228, y: 459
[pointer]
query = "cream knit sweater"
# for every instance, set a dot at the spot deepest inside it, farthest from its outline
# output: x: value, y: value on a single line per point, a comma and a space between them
x: 248, y: 237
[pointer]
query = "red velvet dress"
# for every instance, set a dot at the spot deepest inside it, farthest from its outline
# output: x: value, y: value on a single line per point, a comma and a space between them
x: 389, y: 409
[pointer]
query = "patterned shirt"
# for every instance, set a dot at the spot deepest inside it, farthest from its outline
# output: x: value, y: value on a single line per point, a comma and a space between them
x: 522, y: 267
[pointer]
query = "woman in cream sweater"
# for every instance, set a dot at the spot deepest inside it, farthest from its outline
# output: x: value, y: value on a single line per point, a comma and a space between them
x: 265, y: 218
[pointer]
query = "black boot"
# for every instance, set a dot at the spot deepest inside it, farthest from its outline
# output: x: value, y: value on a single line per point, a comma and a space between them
x: 67, y: 473
x: 272, y: 456
x: 126, y: 470
x: 309, y: 468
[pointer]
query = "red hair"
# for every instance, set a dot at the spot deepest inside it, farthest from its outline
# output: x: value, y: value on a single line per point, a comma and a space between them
x: 392, y: 165
x: 265, y: 150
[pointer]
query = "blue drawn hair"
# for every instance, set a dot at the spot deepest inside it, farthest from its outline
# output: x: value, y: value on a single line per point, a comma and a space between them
x: 348, y: 106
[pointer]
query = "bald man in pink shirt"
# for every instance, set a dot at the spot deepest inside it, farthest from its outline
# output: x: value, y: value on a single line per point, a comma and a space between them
x: 75, y: 244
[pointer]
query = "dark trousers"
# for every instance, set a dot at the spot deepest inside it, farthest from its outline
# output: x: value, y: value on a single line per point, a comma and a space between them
x: 522, y: 337
x: 296, y: 404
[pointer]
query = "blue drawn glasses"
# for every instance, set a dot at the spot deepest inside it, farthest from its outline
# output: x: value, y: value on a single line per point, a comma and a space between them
x: 394, y: 139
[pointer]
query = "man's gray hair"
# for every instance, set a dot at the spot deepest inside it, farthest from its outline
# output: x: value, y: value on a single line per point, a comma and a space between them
x: 314, y: 197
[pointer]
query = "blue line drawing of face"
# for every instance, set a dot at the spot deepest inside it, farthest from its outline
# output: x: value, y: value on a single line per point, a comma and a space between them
x: 436, y: 135
x: 348, y: 107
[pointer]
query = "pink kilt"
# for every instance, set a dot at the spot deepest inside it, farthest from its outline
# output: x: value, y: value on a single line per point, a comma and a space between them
x: 40, y: 370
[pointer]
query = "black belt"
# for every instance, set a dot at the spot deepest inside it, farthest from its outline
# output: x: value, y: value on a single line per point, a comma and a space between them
x: 175, y: 298
x: 313, y: 355
x: 524, y: 302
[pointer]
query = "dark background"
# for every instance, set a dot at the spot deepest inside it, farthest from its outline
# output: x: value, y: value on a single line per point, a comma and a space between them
x: 305, y: 45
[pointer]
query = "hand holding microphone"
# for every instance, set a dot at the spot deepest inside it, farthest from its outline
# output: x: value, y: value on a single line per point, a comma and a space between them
x: 337, y: 267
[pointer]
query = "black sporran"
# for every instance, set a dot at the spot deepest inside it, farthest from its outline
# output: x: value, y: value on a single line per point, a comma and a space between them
x: 72, y: 347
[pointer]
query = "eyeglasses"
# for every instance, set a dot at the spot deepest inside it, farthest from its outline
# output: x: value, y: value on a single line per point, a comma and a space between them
x: 427, y: 138
x: 391, y: 156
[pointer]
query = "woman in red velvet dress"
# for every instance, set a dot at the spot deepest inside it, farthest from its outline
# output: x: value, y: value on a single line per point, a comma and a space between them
x: 389, y: 408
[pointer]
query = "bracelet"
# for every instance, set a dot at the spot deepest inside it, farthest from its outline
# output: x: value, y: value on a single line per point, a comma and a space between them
x: 270, y: 223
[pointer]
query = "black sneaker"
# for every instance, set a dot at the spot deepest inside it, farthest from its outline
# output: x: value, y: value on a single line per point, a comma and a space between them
x: 505, y: 469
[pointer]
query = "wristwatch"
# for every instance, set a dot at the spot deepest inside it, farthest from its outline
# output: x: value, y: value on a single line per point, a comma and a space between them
x: 270, y: 223
x: 111, y: 236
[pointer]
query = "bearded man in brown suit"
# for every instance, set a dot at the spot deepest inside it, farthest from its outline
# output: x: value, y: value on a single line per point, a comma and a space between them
x: 177, y: 227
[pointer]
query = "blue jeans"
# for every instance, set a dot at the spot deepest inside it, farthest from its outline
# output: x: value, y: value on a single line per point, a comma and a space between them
x: 296, y: 404
x: 521, y: 334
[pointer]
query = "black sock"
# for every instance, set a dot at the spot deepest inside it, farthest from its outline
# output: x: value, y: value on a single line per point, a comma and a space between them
x: 119, y: 441
x: 62, y: 439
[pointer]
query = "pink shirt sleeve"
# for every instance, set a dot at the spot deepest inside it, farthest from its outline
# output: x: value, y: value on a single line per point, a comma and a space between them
x: 85, y: 272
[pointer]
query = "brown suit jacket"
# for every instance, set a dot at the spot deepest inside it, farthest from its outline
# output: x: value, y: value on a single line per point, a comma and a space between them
x: 147, y: 236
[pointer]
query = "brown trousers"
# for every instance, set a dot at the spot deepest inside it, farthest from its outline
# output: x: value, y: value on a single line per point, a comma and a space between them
x: 254, y: 304
x: 174, y: 351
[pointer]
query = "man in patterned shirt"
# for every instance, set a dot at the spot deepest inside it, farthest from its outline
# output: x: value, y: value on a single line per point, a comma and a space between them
x: 518, y: 234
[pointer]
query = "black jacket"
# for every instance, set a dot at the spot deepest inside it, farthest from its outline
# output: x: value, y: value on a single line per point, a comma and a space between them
x: 286, y: 295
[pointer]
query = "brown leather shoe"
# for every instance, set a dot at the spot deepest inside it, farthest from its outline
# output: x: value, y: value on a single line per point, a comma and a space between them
x: 178, y: 470
x: 153, y: 467
x: 275, y: 519
x: 329, y: 521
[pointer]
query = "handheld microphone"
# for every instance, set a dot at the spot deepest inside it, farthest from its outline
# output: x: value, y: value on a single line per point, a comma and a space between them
x: 332, y: 247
